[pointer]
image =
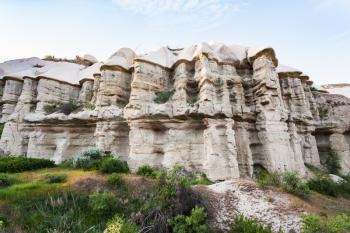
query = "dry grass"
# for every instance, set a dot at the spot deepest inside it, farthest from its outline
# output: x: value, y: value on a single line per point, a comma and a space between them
x: 321, y: 204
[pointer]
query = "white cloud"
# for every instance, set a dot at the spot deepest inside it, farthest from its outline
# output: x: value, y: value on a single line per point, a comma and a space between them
x: 201, y: 14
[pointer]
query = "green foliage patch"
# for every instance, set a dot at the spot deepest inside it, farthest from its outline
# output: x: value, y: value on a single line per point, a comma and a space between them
x: 332, y: 162
x: 315, y: 224
x: 164, y: 96
x: 288, y: 181
x: 242, y: 224
x: 194, y: 223
x: 7, y: 180
x: 19, y: 164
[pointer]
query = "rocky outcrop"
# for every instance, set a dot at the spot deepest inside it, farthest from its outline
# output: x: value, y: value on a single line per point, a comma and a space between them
x: 210, y: 107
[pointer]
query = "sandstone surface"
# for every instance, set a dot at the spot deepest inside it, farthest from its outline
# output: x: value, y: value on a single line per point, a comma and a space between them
x: 213, y: 108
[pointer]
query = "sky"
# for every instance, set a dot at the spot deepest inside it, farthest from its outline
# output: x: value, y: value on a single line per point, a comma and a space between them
x: 310, y: 35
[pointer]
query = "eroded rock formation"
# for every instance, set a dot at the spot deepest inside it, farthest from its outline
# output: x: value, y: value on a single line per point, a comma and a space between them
x: 210, y: 107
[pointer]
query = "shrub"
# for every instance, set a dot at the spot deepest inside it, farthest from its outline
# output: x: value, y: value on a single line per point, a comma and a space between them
x: 104, y: 203
x: 110, y: 165
x: 6, y: 180
x: 172, y: 196
x: 51, y: 179
x: 147, y: 171
x: 50, y: 108
x: 2, y: 125
x: 89, y: 106
x: 87, y: 159
x: 293, y: 184
x: 315, y: 224
x: 323, y: 184
x: 323, y: 111
x: 201, y: 179
x: 242, y: 224
x: 65, y: 108
x: 164, y: 96
x: 120, y: 225
x: 190, y: 224
x: 68, y: 108
x: 19, y: 164
x: 115, y: 179
x: 265, y: 178
x: 332, y: 162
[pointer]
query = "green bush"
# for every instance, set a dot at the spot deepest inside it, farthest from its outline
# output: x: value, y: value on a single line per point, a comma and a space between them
x: 164, y: 96
x: 104, y: 203
x: 19, y: 164
x: 2, y: 125
x: 110, y: 165
x: 201, y: 179
x: 51, y: 179
x: 195, y: 223
x: 172, y: 196
x: 120, y: 225
x: 65, y: 108
x: 88, y: 158
x: 315, y: 224
x: 89, y: 106
x: 265, y: 178
x: 323, y: 111
x: 115, y: 179
x: 6, y: 180
x: 50, y: 108
x: 242, y: 224
x: 323, y: 184
x: 68, y: 108
x: 147, y: 171
x: 332, y: 163
x: 293, y: 184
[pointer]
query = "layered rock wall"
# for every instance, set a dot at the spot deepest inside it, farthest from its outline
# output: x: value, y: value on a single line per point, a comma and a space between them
x: 213, y: 108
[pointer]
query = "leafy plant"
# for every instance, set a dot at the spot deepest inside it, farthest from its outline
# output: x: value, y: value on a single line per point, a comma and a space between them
x: 323, y: 111
x: 293, y: 184
x: 89, y: 106
x: 65, y: 108
x: 110, y: 165
x: 164, y: 96
x: 147, y: 171
x: 323, y: 184
x: 315, y: 224
x: 243, y: 224
x: 2, y: 125
x: 50, y: 108
x: 173, y: 196
x: 332, y: 162
x: 19, y: 164
x: 120, y: 225
x: 50, y: 179
x: 6, y: 180
x: 265, y: 178
x: 104, y: 203
x: 194, y: 223
x: 115, y: 179
x: 88, y: 158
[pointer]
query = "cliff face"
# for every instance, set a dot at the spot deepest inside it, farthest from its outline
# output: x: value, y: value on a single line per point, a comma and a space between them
x: 213, y: 108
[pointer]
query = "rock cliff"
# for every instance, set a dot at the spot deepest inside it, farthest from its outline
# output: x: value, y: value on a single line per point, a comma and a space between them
x: 214, y: 108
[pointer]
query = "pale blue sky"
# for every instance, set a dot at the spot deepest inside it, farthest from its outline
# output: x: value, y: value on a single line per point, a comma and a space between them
x: 311, y: 35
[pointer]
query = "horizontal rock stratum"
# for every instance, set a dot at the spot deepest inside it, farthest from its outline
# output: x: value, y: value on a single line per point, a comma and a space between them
x: 210, y: 107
